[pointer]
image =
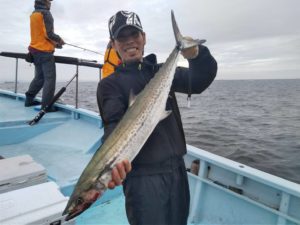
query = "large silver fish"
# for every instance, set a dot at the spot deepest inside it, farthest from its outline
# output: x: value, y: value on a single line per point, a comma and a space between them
x: 145, y: 111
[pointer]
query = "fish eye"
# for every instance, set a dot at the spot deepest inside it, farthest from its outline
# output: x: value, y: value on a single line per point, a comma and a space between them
x: 79, y: 201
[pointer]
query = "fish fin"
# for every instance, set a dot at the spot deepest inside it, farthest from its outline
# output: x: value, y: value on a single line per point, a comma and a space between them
x: 105, y: 178
x: 165, y: 114
x: 132, y: 98
x: 182, y: 42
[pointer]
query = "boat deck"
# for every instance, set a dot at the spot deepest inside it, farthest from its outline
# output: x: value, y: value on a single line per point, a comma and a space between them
x: 222, y: 191
x: 63, y: 154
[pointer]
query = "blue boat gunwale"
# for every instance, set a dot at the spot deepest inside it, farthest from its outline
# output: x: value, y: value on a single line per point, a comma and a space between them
x: 289, y: 191
x: 246, y: 171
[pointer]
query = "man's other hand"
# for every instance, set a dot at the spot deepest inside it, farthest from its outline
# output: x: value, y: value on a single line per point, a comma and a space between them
x: 118, y: 173
x: 190, y: 53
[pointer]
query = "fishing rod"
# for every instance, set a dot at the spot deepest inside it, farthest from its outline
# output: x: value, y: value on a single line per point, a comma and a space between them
x: 85, y: 49
x: 46, y: 108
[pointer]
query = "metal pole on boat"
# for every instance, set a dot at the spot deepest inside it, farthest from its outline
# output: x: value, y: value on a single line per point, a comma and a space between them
x: 76, y: 97
x: 16, y: 78
x: 45, y: 109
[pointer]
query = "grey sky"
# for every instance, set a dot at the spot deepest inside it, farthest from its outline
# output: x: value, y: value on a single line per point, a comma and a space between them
x: 251, y: 39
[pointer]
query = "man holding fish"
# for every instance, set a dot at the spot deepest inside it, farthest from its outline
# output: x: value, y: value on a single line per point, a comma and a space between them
x: 144, y: 141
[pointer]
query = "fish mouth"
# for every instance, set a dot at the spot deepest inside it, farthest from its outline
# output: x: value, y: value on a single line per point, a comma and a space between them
x: 74, y: 211
x: 77, y: 212
x: 73, y: 214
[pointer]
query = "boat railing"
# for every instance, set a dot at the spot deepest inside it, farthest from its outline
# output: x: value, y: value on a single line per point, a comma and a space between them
x: 58, y: 59
x: 250, y: 196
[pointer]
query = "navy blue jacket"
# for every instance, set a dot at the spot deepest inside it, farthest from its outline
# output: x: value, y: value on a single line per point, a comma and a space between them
x: 167, y: 140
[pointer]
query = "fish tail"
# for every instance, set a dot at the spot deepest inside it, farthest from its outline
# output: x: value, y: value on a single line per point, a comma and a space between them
x: 182, y: 42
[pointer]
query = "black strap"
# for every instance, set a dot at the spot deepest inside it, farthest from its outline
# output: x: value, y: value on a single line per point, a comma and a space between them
x: 189, y: 86
x: 177, y: 114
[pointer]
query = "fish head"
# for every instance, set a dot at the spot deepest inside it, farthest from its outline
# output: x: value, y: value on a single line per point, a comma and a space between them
x: 80, y: 201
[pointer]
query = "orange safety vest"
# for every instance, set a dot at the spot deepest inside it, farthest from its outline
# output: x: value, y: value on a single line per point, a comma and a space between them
x: 38, y: 32
x: 111, y: 61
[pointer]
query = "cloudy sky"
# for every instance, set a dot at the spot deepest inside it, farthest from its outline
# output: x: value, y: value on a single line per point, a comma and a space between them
x: 251, y: 39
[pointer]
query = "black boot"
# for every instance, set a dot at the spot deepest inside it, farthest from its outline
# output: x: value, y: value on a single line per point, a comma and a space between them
x: 29, y: 101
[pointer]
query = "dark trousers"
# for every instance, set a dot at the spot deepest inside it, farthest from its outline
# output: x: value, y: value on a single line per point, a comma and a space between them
x: 158, y: 199
x: 45, y: 77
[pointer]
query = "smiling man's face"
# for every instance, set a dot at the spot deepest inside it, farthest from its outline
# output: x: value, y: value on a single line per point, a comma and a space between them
x: 130, y: 44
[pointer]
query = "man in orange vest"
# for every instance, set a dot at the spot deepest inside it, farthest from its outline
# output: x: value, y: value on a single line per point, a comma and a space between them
x: 111, y: 61
x: 42, y: 45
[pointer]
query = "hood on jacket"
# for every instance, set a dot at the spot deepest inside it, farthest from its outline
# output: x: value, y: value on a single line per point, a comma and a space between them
x: 42, y: 4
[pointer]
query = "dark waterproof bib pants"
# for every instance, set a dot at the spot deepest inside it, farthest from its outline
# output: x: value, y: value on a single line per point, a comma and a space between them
x: 45, y: 77
x: 157, y: 199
